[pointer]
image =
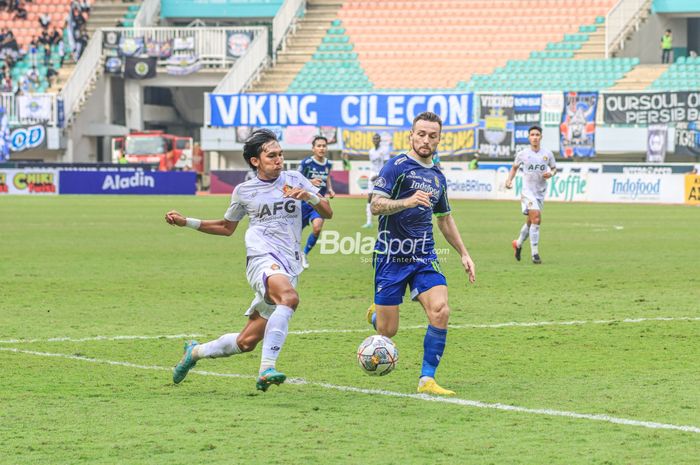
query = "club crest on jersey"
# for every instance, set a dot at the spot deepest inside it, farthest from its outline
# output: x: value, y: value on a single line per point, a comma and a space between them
x: 286, y: 188
x: 437, y: 181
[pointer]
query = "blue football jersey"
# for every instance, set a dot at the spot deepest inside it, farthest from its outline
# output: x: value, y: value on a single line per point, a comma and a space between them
x: 312, y: 169
x: 409, y: 233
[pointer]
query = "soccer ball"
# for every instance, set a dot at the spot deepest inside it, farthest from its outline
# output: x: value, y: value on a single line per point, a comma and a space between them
x: 377, y: 355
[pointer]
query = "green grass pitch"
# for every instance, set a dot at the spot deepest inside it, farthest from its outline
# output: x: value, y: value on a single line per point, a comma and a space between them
x: 79, y: 267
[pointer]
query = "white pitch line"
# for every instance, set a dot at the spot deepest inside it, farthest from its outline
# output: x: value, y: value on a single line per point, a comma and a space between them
x: 510, y: 324
x: 98, y: 338
x: 424, y: 397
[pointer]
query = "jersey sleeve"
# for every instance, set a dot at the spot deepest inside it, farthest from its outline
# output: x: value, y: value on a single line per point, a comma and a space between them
x: 385, y: 183
x: 236, y: 210
x: 304, y: 167
x: 305, y: 184
x: 442, y: 208
x: 552, y: 161
x: 518, y: 159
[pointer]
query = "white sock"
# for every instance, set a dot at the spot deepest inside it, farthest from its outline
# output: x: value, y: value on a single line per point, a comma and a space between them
x: 275, y: 335
x: 225, y: 346
x: 534, y: 238
x: 524, y: 232
x: 368, y: 210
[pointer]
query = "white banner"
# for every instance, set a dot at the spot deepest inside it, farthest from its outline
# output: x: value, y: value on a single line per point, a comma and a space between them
x: 29, y: 181
x: 34, y: 107
x: 636, y: 188
x: 471, y: 184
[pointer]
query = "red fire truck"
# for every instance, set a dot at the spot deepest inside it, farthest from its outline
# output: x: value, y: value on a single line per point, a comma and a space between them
x: 167, y: 151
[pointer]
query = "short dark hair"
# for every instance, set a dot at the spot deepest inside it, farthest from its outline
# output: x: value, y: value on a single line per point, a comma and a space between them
x: 427, y: 116
x: 536, y: 128
x: 254, y: 144
x: 318, y: 138
x: 668, y: 30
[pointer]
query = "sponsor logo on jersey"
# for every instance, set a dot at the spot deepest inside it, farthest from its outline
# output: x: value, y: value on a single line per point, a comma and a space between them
x: 424, y: 186
x: 287, y: 206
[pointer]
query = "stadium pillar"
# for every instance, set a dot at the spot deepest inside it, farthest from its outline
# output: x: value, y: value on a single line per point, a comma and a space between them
x: 133, y: 100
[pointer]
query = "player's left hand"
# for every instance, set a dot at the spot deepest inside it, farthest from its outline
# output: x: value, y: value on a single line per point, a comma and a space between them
x: 298, y: 193
x: 547, y: 175
x: 469, y: 267
x: 331, y: 193
x: 175, y: 218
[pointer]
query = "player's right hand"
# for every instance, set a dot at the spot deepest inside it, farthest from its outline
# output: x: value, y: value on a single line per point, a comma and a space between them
x: 509, y: 184
x: 419, y: 198
x: 175, y: 218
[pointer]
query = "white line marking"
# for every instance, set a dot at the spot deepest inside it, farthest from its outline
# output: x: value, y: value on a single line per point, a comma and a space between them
x: 510, y: 324
x: 424, y: 397
x: 98, y: 338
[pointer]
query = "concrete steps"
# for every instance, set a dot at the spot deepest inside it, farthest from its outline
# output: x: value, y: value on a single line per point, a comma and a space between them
x: 594, y: 48
x: 640, y: 77
x: 300, y: 46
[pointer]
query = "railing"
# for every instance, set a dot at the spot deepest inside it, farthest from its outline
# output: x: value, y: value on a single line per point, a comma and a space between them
x: 89, y: 65
x: 210, y: 43
x: 284, y: 20
x: 618, y: 21
x: 30, y: 108
x: 246, y: 68
x: 148, y: 13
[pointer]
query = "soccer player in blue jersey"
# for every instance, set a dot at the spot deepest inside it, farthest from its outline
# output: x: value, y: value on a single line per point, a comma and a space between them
x: 409, y: 190
x: 316, y: 168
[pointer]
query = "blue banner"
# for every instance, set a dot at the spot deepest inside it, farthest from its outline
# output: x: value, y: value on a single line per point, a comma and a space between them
x: 4, y: 135
x: 527, y: 113
x: 577, y: 129
x: 134, y: 182
x: 340, y: 110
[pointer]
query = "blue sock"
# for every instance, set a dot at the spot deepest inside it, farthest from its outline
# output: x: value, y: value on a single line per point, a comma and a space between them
x: 310, y: 243
x: 433, y: 347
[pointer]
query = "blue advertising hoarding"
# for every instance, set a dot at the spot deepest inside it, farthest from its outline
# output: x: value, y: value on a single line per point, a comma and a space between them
x: 339, y: 110
x: 123, y: 183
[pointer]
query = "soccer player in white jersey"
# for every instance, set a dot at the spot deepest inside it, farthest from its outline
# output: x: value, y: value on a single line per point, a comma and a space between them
x: 272, y: 200
x: 378, y: 156
x: 538, y: 165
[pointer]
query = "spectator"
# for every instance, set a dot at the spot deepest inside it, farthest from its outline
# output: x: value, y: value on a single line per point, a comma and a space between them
x: 61, y: 50
x: 84, y: 6
x: 44, y: 21
x: 47, y: 54
x: 51, y: 75
x: 474, y: 164
x: 55, y: 36
x: 666, y: 47
x: 20, y: 12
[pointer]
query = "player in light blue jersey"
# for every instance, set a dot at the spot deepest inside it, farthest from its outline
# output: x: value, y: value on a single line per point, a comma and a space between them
x: 409, y: 190
x: 316, y: 168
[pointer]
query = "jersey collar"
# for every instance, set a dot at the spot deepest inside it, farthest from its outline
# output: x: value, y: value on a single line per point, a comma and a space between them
x: 424, y: 165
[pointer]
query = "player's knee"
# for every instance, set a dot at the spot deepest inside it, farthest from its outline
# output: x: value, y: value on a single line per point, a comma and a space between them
x: 388, y: 331
x: 247, y: 343
x: 289, y: 297
x: 440, y: 312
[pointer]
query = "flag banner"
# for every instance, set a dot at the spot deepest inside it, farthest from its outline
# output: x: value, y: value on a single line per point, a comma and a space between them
x: 657, y: 135
x: 131, y: 46
x: 688, y: 140
x: 34, y: 107
x: 495, y: 125
x: 181, y: 65
x: 183, y: 60
x: 577, y: 129
x: 527, y: 112
x: 113, y: 65
x: 454, y: 141
x: 111, y: 39
x: 339, y: 110
x: 140, y: 68
x: 651, y: 108
x: 237, y: 44
x: 25, y: 138
x: 4, y: 135
x: 159, y: 48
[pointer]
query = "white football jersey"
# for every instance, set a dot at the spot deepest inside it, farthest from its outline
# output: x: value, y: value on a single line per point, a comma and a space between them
x: 379, y: 157
x: 275, y: 221
x: 534, y: 165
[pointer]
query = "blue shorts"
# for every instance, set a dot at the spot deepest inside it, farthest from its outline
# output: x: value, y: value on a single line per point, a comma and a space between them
x: 308, y: 215
x: 392, y: 274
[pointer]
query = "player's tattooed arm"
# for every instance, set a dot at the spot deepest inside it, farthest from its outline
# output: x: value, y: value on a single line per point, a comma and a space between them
x: 383, y: 206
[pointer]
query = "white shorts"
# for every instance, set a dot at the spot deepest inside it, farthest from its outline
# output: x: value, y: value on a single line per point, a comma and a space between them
x: 530, y: 202
x: 258, y: 270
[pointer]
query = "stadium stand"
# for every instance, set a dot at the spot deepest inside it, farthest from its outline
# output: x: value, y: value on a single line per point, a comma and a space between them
x: 684, y: 74
x: 368, y: 47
